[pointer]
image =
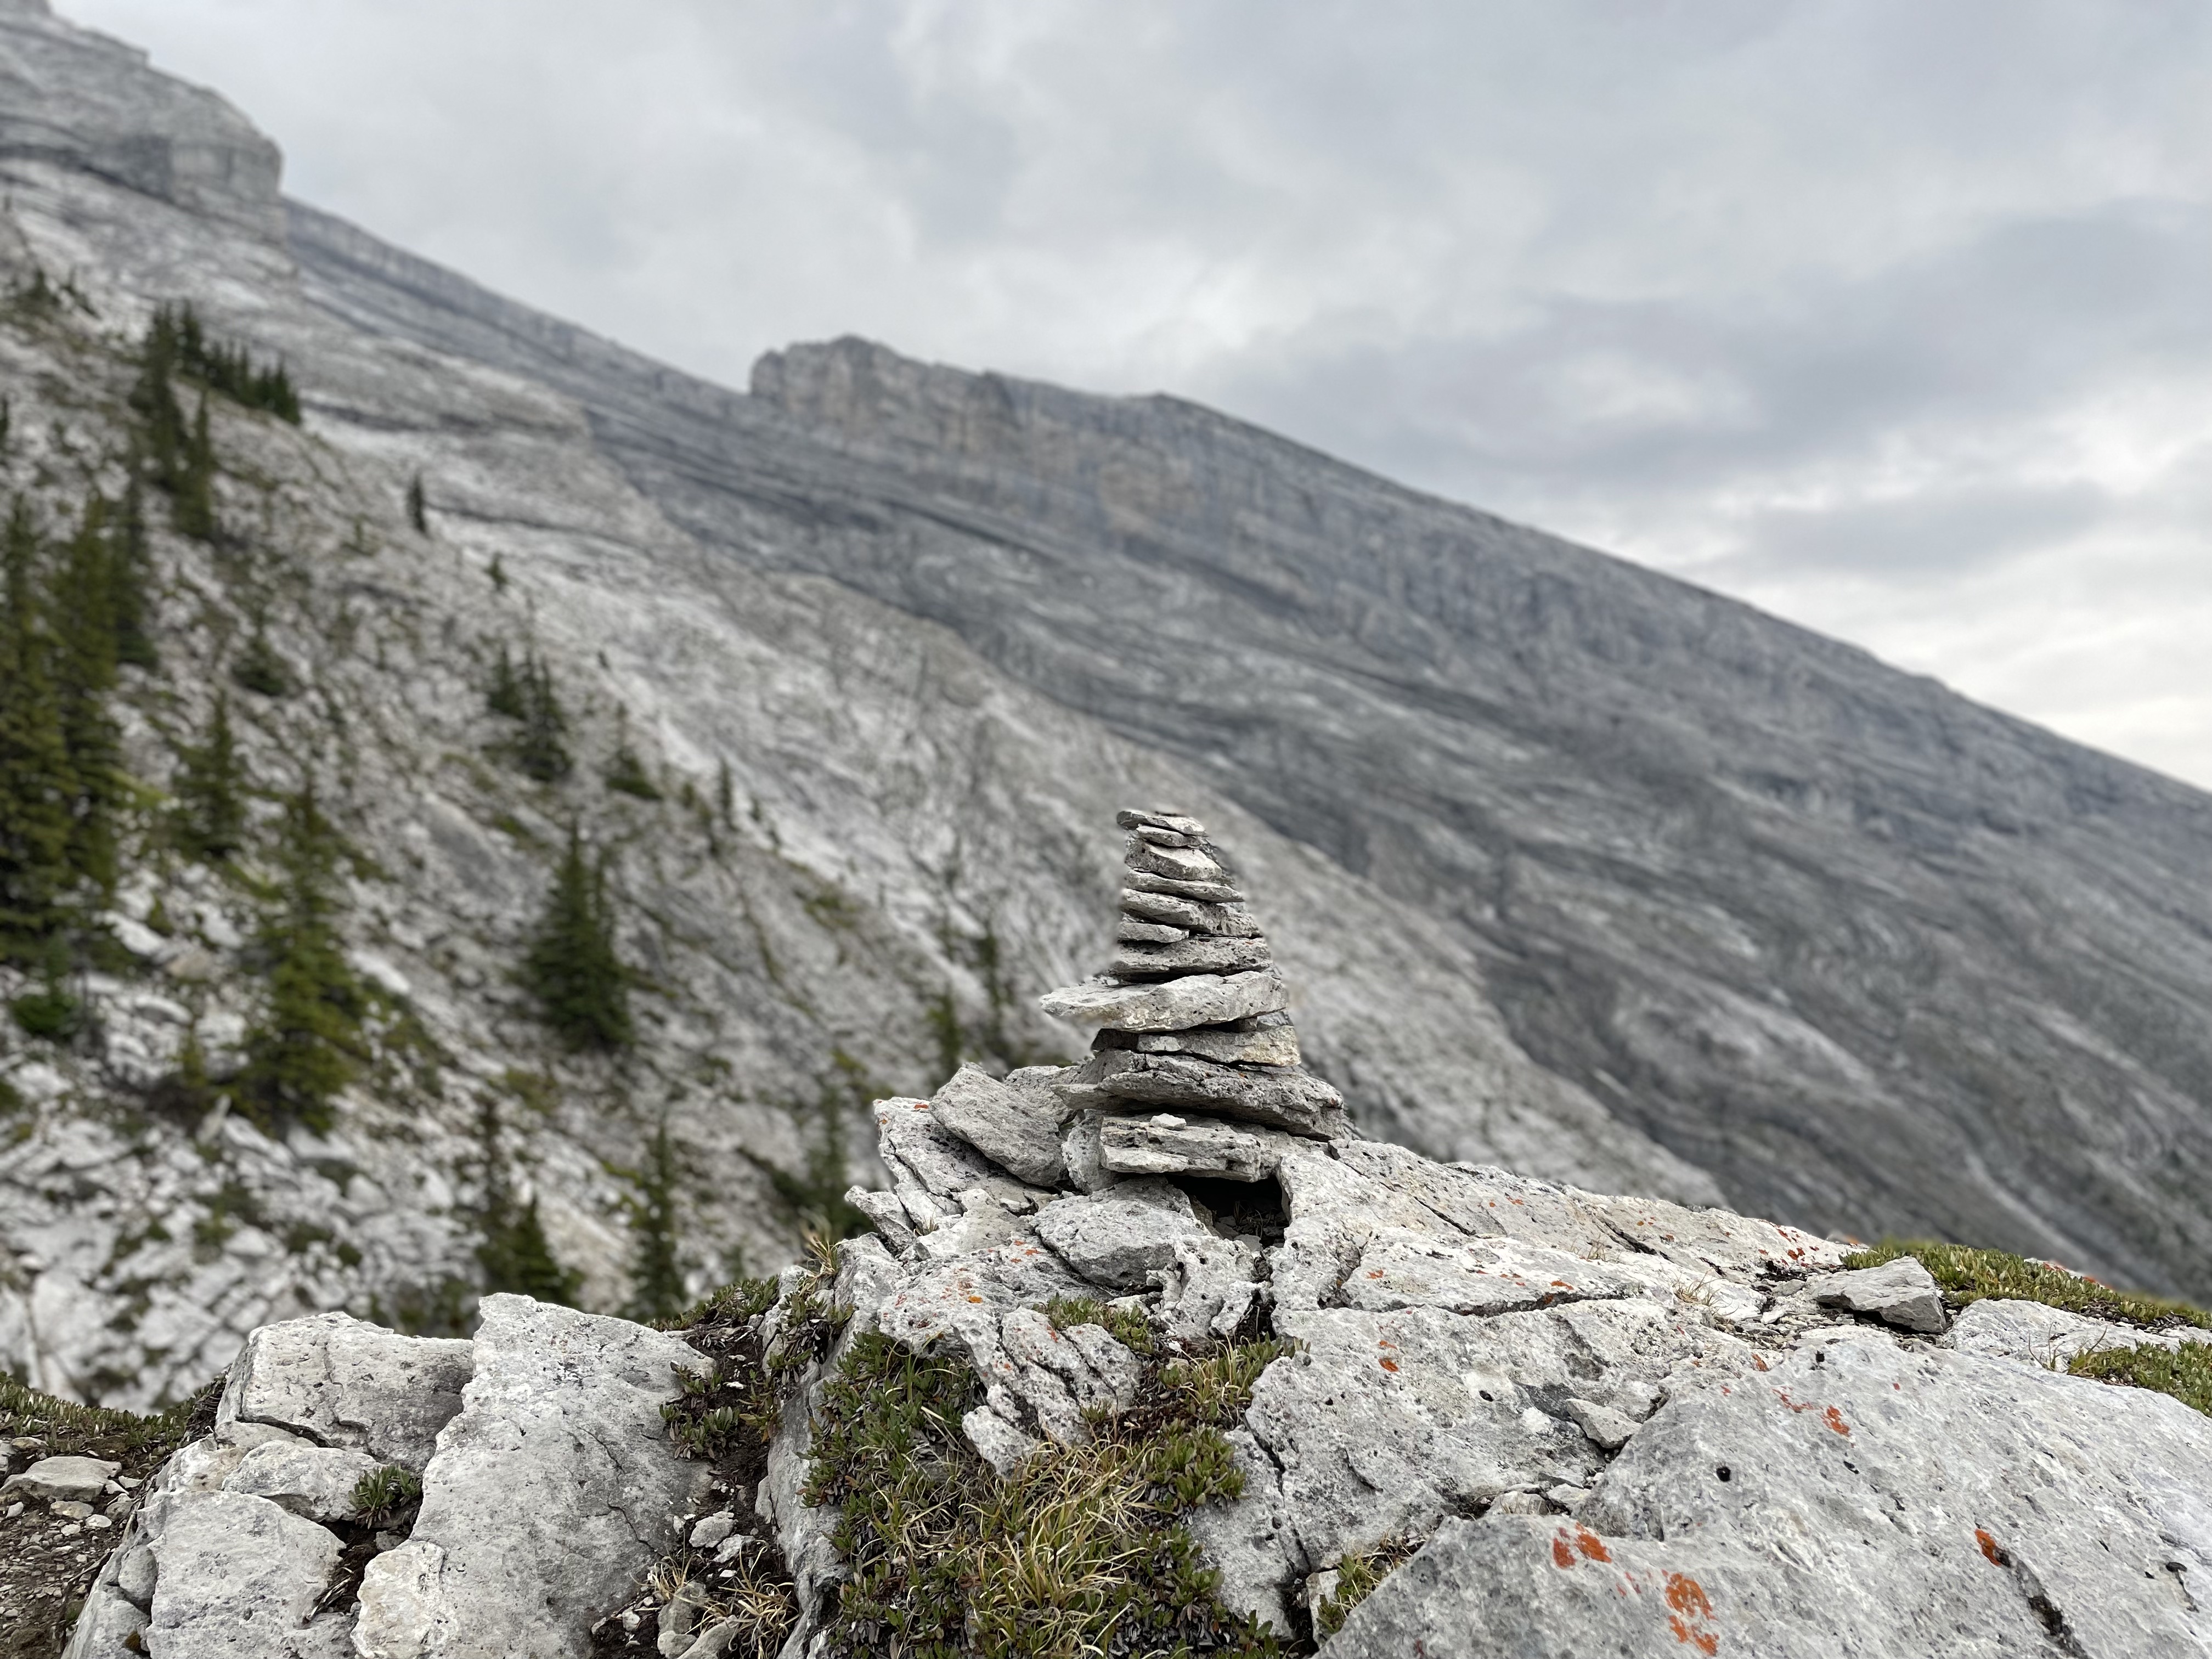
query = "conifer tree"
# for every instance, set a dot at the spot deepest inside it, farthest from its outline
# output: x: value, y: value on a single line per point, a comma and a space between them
x: 417, y: 507
x: 541, y: 749
x: 84, y: 672
x: 581, y: 988
x: 259, y: 669
x: 656, y: 1279
x: 505, y: 695
x: 128, y: 556
x: 37, y: 786
x: 725, y: 796
x: 154, y: 398
x: 192, y: 508
x: 515, y: 1255
x: 210, y: 791
x: 307, y: 1045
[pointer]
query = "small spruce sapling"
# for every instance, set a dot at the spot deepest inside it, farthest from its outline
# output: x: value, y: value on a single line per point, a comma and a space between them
x: 418, y: 512
x: 515, y: 1255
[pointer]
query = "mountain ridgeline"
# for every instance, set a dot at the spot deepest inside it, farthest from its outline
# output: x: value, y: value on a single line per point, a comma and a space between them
x: 524, y: 803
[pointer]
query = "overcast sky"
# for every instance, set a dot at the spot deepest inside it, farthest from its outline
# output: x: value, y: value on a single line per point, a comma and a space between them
x: 1892, y: 317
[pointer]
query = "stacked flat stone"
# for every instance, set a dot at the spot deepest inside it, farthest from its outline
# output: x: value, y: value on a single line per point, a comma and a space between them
x: 1190, y: 1018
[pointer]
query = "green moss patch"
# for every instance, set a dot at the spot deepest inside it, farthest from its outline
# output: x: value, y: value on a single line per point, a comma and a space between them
x: 1967, y: 1275
x: 2185, y: 1373
x: 1079, y: 1553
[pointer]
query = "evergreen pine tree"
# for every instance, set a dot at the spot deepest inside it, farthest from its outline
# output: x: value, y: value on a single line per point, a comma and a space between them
x: 307, y: 1044
x: 541, y: 749
x: 154, y: 398
x: 656, y: 1280
x: 725, y: 796
x: 84, y: 672
x: 515, y: 1255
x: 210, y: 791
x: 582, y: 991
x: 37, y: 787
x: 127, y: 554
x: 417, y: 507
x: 191, y: 508
x: 259, y: 669
x: 505, y: 696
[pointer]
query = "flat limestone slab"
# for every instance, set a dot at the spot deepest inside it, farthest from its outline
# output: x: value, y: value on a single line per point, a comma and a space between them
x: 1177, y: 1005
x: 551, y: 1492
x: 1877, y: 1502
x: 1289, y: 1099
x: 1163, y: 1144
x: 1016, y: 1128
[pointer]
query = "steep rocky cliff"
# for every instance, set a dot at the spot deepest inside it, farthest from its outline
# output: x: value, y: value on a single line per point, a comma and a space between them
x: 1567, y: 868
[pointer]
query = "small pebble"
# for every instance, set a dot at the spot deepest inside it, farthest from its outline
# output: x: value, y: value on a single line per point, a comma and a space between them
x: 98, y: 1523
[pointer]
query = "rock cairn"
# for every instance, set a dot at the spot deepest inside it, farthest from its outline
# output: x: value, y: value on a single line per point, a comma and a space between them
x: 1194, y: 1042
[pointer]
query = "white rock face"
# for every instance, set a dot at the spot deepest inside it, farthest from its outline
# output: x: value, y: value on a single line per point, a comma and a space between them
x: 239, y: 1578
x: 1861, y: 1498
x: 315, y: 1482
x: 548, y: 1495
x: 339, y: 1381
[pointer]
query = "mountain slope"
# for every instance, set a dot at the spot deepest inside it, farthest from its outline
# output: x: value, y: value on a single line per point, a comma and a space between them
x: 1877, y: 957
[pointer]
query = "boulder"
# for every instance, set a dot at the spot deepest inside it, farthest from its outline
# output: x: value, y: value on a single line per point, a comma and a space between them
x: 554, y: 1488
x: 1116, y: 1238
x: 62, y: 1479
x: 239, y: 1579
x: 1017, y: 1129
x: 1901, y: 1293
x: 338, y: 1381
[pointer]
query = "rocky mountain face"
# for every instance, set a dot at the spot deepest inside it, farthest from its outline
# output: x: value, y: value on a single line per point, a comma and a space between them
x: 1565, y: 867
x: 1863, y: 953
x: 1106, y: 1378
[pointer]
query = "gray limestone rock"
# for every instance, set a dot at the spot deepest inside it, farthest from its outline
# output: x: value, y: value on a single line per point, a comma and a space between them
x: 238, y: 1578
x: 957, y: 1304
x: 62, y: 1479
x: 1117, y: 1238
x: 1608, y: 1430
x: 1208, y: 1290
x: 999, y: 1442
x: 313, y: 1482
x: 340, y: 1381
x: 1183, y: 864
x: 2035, y: 1333
x: 1203, y: 955
x: 1901, y: 1293
x: 1175, y: 823
x: 1226, y: 920
x: 1163, y: 1144
x: 1083, y: 1148
x: 1207, y: 892
x: 1289, y: 1099
x: 1860, y: 1499
x: 1017, y: 1129
x: 1130, y: 930
x: 1269, y: 1039
x: 554, y: 1488
x: 1176, y: 1006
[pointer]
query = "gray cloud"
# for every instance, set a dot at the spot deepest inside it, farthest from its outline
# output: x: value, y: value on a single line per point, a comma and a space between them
x: 1889, y: 316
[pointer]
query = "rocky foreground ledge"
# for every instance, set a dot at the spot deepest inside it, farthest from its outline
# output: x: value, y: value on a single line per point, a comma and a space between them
x: 1583, y: 1424
x: 1226, y: 1378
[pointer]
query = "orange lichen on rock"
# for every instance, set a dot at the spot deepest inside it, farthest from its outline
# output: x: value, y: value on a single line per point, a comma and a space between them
x: 1691, y: 1608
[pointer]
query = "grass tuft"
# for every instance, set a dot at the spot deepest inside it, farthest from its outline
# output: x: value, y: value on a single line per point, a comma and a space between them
x: 1356, y: 1576
x: 1078, y: 1554
x: 2185, y: 1373
x: 382, y: 1495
